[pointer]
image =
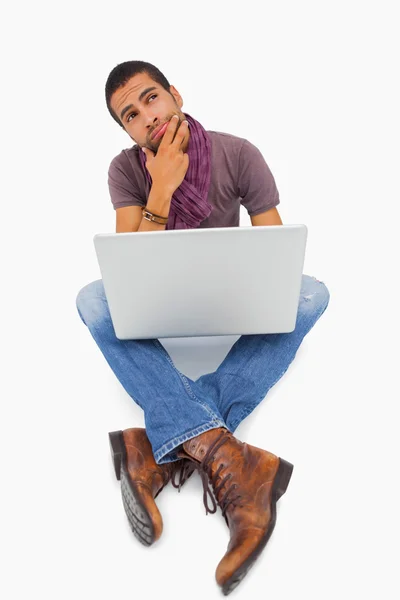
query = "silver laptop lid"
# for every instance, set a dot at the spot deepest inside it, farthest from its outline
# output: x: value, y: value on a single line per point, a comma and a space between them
x: 202, y: 282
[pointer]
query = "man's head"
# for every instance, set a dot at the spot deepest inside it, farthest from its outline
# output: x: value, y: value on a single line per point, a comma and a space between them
x: 140, y: 98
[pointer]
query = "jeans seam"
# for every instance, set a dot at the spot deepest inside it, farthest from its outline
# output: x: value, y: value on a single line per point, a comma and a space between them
x: 185, y: 382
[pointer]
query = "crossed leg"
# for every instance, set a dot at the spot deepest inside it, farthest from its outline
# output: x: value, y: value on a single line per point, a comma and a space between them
x: 256, y: 362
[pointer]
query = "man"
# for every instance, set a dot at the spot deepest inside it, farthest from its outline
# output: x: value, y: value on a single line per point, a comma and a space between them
x: 187, y: 177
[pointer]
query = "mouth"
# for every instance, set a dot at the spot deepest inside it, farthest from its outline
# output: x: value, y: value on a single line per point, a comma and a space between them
x: 159, y: 131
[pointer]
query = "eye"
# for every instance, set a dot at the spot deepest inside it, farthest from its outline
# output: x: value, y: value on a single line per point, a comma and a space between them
x: 130, y: 115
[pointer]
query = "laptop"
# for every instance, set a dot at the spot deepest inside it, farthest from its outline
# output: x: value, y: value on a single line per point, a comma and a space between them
x: 202, y: 282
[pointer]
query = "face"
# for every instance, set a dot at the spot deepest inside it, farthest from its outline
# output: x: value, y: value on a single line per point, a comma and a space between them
x: 141, y: 110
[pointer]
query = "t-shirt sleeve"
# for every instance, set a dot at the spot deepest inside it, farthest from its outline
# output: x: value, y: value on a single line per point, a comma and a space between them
x: 256, y: 184
x: 123, y: 191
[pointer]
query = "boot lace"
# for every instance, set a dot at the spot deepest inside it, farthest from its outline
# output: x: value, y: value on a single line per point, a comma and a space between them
x: 205, y: 471
x: 185, y: 468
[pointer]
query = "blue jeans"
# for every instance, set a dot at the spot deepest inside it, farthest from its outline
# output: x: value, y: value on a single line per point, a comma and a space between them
x: 177, y: 408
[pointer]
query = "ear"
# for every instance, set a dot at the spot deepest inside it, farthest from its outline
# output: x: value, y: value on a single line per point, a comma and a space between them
x: 176, y: 95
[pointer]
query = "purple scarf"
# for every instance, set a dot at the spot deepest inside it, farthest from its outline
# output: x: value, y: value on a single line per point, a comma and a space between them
x: 189, y: 205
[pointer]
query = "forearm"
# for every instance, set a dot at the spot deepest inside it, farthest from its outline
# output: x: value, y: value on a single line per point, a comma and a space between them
x: 159, y: 203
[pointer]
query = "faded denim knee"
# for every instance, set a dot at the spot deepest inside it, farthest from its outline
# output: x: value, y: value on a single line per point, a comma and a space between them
x: 91, y: 302
x: 314, y: 293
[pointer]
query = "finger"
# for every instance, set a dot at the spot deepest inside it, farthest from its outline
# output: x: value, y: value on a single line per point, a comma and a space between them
x: 169, y: 132
x: 180, y: 134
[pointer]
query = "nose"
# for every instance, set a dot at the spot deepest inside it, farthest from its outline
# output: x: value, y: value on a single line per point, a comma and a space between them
x: 151, y: 122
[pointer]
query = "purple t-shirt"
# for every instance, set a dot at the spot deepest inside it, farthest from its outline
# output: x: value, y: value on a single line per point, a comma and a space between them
x: 239, y: 175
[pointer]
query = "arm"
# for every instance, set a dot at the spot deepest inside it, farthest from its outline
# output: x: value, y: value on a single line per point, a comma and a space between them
x: 167, y: 171
x: 270, y: 217
x: 129, y: 218
x: 125, y: 195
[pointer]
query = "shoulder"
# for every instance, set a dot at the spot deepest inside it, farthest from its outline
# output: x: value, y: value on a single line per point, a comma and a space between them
x: 126, y: 167
x: 237, y: 154
x: 126, y: 161
x: 221, y: 139
x: 126, y: 173
x: 233, y: 145
x: 226, y: 149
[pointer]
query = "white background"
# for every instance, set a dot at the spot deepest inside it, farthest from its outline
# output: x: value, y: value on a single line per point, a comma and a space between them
x: 314, y: 86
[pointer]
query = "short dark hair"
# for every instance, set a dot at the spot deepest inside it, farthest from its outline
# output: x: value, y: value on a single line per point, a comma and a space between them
x: 121, y: 74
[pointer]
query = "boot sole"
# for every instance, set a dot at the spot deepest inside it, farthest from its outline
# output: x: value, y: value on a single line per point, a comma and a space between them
x: 138, y: 515
x: 279, y: 487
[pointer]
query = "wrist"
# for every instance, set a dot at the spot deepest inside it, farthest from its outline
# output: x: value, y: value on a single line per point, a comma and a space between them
x: 161, y: 191
x: 159, y: 201
x: 153, y: 217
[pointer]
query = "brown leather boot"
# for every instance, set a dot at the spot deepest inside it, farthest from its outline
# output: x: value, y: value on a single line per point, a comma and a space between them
x: 247, y: 482
x: 142, y: 479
